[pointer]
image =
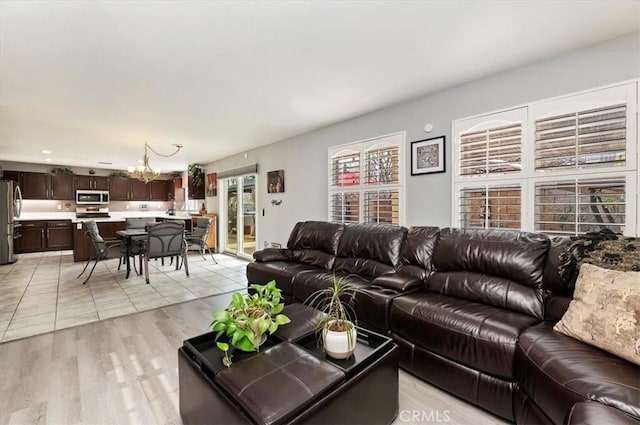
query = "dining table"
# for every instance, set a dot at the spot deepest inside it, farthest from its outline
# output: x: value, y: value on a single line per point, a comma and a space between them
x: 130, y: 236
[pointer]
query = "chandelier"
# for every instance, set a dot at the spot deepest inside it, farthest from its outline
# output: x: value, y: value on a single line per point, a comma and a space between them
x: 145, y: 172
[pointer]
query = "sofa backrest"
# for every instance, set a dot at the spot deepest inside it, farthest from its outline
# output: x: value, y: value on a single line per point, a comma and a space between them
x: 315, y: 242
x: 500, y: 268
x: 370, y: 250
x: 559, y: 295
x: 417, y: 251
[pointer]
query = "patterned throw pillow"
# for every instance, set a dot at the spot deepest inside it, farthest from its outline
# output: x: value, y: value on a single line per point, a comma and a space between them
x: 605, y: 311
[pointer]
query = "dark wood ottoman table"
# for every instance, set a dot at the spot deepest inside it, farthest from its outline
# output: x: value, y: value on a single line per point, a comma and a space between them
x: 290, y: 381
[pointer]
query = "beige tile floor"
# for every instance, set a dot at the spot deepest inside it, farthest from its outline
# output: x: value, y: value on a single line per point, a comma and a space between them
x: 40, y: 292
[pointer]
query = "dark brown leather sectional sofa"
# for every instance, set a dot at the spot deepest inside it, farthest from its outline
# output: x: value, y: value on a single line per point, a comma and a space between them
x: 472, y: 312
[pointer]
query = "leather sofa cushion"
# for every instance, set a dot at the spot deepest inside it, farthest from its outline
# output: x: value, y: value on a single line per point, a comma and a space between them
x: 373, y: 306
x: 283, y: 272
x: 318, y: 235
x: 278, y: 382
x: 480, y: 336
x: 594, y: 413
x: 517, y: 256
x: 314, y: 257
x: 488, y: 289
x: 273, y: 254
x: 557, y: 371
x: 552, y: 279
x: 377, y: 242
x: 417, y: 249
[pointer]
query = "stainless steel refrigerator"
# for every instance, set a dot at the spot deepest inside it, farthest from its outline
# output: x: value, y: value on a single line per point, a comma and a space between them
x: 9, y: 211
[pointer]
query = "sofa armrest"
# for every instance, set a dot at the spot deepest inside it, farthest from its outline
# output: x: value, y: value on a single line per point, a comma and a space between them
x: 273, y: 254
x: 397, y: 282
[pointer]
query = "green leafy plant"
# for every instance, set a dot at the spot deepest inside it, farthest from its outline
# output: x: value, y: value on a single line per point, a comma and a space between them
x: 196, y: 174
x: 62, y: 170
x: 248, y: 319
x: 119, y: 174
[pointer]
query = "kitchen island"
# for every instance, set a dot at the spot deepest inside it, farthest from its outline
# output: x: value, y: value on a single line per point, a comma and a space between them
x: 108, y: 226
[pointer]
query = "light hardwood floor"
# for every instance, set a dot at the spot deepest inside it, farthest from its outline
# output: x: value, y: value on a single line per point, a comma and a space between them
x: 124, y: 371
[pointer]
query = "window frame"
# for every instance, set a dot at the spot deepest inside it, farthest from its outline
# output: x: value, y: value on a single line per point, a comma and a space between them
x: 529, y: 176
x: 362, y: 147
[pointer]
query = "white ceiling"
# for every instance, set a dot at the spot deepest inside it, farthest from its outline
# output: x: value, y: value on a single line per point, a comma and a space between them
x: 94, y: 81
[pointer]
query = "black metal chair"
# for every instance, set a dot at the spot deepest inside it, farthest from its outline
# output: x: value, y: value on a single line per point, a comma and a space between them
x: 198, y: 238
x: 165, y: 240
x: 137, y: 242
x: 103, y: 249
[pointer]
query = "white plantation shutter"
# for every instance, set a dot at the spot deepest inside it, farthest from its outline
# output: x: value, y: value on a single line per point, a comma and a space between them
x: 490, y: 151
x: 594, y: 137
x: 365, y: 181
x: 345, y: 207
x: 563, y: 166
x: 577, y: 206
x: 491, y: 207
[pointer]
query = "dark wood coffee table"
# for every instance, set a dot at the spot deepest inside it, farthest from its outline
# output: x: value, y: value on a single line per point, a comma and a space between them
x: 290, y: 380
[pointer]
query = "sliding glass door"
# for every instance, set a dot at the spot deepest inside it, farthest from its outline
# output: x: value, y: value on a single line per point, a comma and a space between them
x: 239, y: 208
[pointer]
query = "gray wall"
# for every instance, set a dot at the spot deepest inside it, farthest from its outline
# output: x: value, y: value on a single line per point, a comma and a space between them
x: 428, y: 197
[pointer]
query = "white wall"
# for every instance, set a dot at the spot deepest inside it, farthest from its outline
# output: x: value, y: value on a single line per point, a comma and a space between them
x: 304, y: 157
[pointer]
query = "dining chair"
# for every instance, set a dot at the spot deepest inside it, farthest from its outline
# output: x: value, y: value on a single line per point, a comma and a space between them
x: 165, y: 240
x: 103, y: 249
x: 198, y: 238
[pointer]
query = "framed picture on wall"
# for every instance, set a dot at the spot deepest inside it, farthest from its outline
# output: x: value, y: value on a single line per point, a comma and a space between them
x: 212, y: 184
x: 275, y: 181
x: 427, y: 156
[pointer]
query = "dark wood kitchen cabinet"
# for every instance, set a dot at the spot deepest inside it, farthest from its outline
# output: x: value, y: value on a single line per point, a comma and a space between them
x: 59, y: 235
x: 37, y: 236
x: 158, y: 190
x: 139, y: 190
x: 34, y: 185
x: 14, y: 176
x: 119, y: 189
x: 92, y: 183
x: 62, y: 187
x: 32, y: 234
x: 123, y: 189
x: 196, y: 192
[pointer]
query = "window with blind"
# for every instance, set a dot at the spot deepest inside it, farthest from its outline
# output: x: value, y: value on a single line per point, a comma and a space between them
x: 365, y: 181
x: 574, y: 171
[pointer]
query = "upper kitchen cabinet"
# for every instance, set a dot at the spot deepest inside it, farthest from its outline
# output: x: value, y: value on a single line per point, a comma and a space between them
x: 158, y: 190
x: 35, y: 185
x: 14, y: 176
x: 92, y: 183
x: 62, y: 187
x: 139, y: 190
x: 123, y: 189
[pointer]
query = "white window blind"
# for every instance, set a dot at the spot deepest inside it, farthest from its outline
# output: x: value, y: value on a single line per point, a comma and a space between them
x: 578, y: 206
x: 595, y: 137
x: 494, y: 150
x: 490, y: 207
x: 365, y: 182
x: 573, y: 157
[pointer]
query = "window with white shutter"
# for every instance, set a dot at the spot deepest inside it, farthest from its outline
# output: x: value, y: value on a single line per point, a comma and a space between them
x: 494, y: 150
x: 366, y: 181
x: 491, y: 207
x: 578, y: 206
x: 562, y: 166
x: 595, y: 137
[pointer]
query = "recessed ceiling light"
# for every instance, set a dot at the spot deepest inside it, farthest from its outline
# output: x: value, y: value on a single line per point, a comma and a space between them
x: 140, y: 161
x: 48, y: 159
x: 46, y: 152
x: 105, y: 163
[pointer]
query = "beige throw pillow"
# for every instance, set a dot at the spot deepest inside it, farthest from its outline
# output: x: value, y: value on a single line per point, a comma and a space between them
x: 605, y: 311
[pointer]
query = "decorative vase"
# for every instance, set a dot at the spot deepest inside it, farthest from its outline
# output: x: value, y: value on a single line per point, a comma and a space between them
x: 339, y: 345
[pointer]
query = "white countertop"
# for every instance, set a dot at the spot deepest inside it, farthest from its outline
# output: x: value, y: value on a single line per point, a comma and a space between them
x: 113, y: 216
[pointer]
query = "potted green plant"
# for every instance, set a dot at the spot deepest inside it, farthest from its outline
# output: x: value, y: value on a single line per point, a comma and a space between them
x: 338, y: 323
x: 196, y: 174
x: 248, y: 319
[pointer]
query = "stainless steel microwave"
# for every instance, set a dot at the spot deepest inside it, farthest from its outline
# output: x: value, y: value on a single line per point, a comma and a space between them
x: 92, y: 197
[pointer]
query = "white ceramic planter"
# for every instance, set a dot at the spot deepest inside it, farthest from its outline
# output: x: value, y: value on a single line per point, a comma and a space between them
x: 340, y: 345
